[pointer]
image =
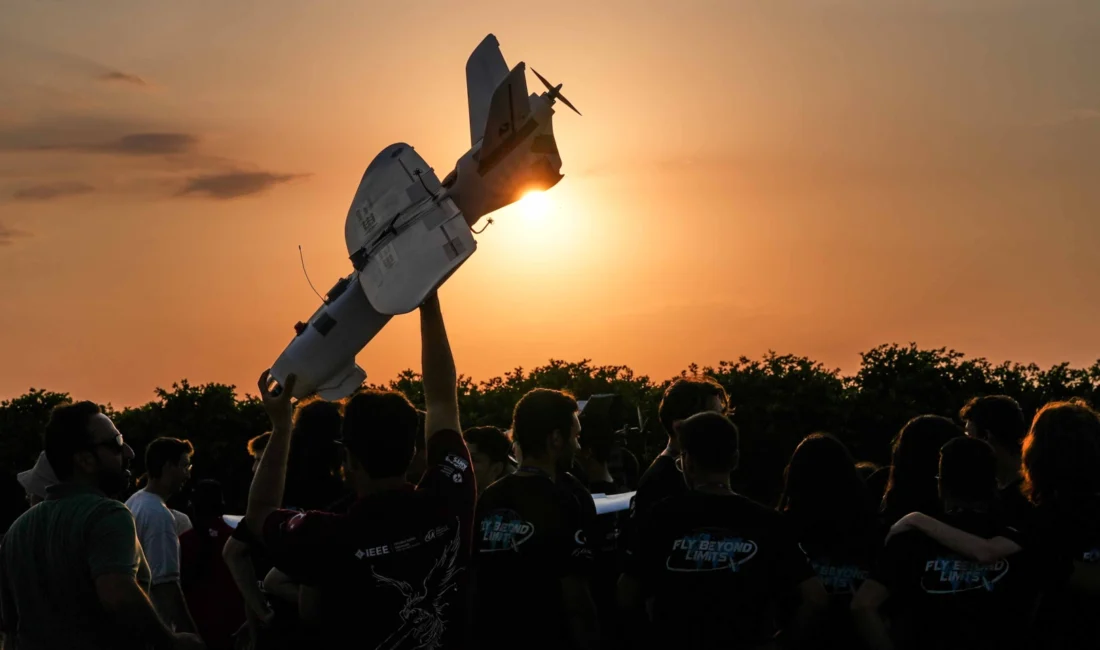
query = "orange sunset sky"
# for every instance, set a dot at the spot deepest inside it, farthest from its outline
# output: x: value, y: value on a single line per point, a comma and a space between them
x: 814, y: 177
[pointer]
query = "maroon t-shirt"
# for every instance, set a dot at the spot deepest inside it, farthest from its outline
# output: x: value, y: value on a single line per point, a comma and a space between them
x: 212, y: 596
x: 392, y: 572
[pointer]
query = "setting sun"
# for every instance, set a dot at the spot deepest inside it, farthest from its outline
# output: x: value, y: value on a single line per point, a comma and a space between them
x: 535, y: 205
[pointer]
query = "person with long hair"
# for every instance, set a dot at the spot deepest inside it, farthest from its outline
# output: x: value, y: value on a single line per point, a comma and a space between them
x: 933, y: 598
x: 1061, y: 478
x: 916, y: 456
x: 830, y: 513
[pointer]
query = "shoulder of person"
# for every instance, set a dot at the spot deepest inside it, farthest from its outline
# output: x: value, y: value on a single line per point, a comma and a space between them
x: 574, y: 484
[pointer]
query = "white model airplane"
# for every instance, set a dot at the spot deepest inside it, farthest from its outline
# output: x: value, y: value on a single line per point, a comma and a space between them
x: 407, y: 232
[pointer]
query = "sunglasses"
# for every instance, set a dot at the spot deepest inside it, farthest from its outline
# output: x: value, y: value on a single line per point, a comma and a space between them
x: 115, y: 444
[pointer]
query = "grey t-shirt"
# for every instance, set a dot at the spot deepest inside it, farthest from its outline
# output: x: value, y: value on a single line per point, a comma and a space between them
x: 49, y: 562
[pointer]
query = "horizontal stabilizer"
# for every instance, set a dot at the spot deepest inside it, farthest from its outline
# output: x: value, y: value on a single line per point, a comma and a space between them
x: 485, y: 69
x: 342, y: 384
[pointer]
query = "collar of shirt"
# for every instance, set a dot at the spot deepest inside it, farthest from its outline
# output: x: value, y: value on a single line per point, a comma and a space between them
x: 70, y: 488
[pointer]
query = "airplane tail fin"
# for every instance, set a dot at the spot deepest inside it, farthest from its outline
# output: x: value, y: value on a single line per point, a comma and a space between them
x: 485, y: 70
x: 508, y: 113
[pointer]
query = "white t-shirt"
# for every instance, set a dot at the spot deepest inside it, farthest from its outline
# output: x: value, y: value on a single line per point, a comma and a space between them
x: 156, y: 529
x: 183, y: 522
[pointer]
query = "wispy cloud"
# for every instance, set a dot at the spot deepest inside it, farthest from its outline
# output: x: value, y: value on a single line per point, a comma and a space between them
x: 51, y: 191
x: 231, y: 185
x: 9, y: 234
x: 134, y: 144
x: 116, y: 76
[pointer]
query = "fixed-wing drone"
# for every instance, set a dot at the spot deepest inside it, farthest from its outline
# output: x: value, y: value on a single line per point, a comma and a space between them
x: 407, y: 232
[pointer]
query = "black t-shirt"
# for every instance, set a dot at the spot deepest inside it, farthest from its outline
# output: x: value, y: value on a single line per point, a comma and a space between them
x: 843, y: 553
x: 1015, y: 507
x: 717, y: 567
x: 944, y: 600
x: 1062, y: 536
x: 531, y: 532
x: 392, y: 571
x: 661, y: 481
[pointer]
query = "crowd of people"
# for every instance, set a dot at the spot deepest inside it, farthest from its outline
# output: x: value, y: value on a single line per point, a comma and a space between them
x: 372, y: 524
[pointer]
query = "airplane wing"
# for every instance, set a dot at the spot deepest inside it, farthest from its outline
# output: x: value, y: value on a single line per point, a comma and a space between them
x: 508, y: 114
x: 485, y: 69
x: 404, y: 238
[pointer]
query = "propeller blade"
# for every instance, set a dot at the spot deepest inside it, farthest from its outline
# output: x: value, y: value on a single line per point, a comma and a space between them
x: 566, y: 102
x: 543, y: 80
x: 555, y: 92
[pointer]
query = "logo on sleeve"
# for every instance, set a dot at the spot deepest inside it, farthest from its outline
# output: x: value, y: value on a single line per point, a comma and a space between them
x: 504, y: 530
x: 295, y: 521
x: 710, y: 550
x: 458, y: 462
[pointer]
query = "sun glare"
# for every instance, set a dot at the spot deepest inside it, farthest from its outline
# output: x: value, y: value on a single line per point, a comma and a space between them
x: 535, y: 205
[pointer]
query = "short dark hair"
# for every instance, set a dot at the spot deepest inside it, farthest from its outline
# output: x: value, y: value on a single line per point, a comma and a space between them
x: 1000, y: 415
x: 686, y: 397
x: 711, y: 440
x: 208, y: 499
x: 379, y: 429
x: 968, y: 469
x: 165, y: 450
x: 490, y: 441
x: 537, y: 415
x: 66, y: 434
x: 1062, y: 452
x: 318, y: 418
x: 257, y: 445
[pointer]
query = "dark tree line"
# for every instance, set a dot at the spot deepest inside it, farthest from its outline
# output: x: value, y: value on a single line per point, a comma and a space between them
x: 777, y: 400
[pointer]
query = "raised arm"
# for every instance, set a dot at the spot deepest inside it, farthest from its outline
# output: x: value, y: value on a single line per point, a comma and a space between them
x: 438, y: 369
x: 266, y: 494
x: 976, y: 548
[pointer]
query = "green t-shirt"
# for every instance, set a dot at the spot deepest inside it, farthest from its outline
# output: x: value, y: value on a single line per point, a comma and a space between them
x: 49, y: 561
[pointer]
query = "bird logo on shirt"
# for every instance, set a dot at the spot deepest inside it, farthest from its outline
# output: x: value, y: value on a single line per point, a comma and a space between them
x: 422, y: 616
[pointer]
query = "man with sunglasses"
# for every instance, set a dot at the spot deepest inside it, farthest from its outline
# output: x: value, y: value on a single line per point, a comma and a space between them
x: 72, y: 574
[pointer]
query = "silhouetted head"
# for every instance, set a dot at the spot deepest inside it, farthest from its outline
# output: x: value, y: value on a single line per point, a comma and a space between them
x: 997, y: 419
x: 168, y: 463
x: 968, y: 471
x: 709, y: 445
x: 256, y: 447
x: 313, y: 469
x: 821, y: 480
x: 489, y: 449
x: 83, y: 445
x: 208, y: 501
x: 1061, y: 459
x: 546, y: 426
x: 688, y: 396
x: 912, y: 486
x: 379, y: 434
